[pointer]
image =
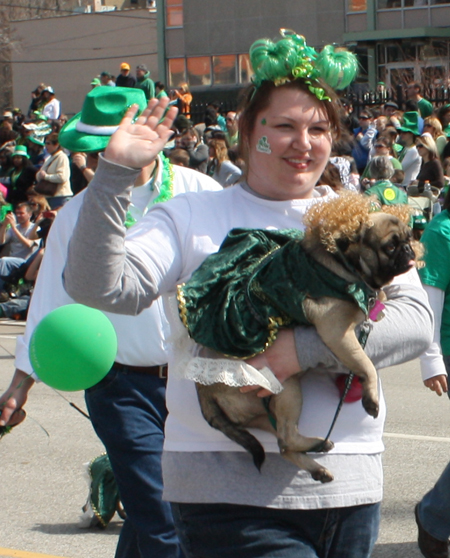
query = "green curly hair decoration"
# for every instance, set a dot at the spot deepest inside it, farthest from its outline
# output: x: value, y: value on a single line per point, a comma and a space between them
x: 291, y: 58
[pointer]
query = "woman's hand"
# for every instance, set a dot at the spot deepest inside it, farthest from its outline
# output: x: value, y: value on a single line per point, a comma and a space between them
x: 437, y: 384
x: 41, y: 175
x: 136, y: 145
x: 281, y: 358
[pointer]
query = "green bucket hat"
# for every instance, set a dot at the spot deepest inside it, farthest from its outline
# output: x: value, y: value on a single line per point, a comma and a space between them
x: 103, y: 109
x: 20, y: 150
x: 446, y: 130
x: 410, y: 123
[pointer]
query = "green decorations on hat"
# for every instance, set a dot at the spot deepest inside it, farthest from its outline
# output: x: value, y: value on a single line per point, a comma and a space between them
x: 73, y: 347
x: 39, y: 116
x: 96, y: 81
x: 20, y: 150
x: 446, y: 130
x: 291, y: 58
x: 410, y: 123
x: 103, y: 109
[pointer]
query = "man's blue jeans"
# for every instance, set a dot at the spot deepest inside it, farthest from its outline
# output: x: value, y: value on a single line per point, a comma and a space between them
x: 434, y: 508
x: 231, y: 531
x: 128, y: 412
x: 7, y: 265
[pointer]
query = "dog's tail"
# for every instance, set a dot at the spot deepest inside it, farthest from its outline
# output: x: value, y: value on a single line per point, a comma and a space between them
x: 217, y: 418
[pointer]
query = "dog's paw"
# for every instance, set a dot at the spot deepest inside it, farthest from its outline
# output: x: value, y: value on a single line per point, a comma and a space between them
x: 325, y: 445
x: 371, y: 406
x: 323, y: 475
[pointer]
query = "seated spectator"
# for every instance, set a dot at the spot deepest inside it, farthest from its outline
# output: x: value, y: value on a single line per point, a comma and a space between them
x: 38, y: 204
x: 220, y: 167
x: 382, y: 146
x: 21, y: 176
x: 198, y: 152
x: 431, y: 167
x: 19, y: 234
x: 382, y: 170
x: 56, y: 173
x: 179, y: 157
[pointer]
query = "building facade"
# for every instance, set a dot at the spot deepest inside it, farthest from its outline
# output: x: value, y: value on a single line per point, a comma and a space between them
x: 206, y: 43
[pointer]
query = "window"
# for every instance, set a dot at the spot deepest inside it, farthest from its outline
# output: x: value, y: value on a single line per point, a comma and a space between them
x: 224, y: 69
x: 357, y: 5
x: 199, y: 70
x: 245, y: 69
x: 177, y: 72
x: 386, y: 4
x: 174, y: 13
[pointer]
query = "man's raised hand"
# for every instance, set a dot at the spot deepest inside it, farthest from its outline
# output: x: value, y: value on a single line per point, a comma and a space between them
x: 137, y: 144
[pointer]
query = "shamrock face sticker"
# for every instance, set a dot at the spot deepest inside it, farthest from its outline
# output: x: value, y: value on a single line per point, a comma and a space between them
x: 263, y: 145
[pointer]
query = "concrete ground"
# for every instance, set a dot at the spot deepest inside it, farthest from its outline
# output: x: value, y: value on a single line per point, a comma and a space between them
x: 42, y: 486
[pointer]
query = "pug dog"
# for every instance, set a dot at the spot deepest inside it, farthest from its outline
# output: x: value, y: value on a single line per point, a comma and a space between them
x: 261, y: 281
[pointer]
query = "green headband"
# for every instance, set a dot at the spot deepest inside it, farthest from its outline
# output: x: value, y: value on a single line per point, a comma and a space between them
x: 291, y: 58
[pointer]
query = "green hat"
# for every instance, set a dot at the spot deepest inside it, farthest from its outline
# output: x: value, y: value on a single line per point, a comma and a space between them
x: 446, y: 130
x: 39, y: 116
x: 103, y: 109
x: 410, y: 123
x: 96, y: 81
x: 20, y: 150
x: 419, y: 222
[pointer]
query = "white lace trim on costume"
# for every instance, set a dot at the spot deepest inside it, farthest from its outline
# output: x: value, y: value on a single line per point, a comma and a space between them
x: 188, y: 365
x: 234, y: 373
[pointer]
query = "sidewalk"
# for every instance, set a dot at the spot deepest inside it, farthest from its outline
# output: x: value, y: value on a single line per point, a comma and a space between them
x: 42, y: 485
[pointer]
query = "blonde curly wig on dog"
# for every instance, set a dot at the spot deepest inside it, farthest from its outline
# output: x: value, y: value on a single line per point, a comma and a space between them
x: 344, y: 216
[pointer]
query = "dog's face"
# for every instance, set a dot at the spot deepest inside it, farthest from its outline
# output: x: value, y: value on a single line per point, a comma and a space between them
x: 385, y: 249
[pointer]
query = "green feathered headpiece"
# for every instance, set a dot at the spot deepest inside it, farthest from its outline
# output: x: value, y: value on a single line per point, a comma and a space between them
x: 291, y: 58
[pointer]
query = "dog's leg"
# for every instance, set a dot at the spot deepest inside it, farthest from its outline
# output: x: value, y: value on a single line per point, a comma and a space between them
x: 336, y: 326
x: 286, y: 408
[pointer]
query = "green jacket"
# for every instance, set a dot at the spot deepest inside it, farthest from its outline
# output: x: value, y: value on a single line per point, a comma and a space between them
x: 147, y: 85
x: 239, y: 297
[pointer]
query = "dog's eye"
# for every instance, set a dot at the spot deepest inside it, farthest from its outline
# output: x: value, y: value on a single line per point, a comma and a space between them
x: 389, y: 248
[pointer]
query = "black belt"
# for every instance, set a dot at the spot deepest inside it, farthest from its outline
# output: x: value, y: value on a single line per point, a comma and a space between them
x: 159, y: 371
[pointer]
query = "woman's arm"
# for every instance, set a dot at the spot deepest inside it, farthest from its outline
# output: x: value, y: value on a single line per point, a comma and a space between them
x: 60, y: 169
x: 102, y: 273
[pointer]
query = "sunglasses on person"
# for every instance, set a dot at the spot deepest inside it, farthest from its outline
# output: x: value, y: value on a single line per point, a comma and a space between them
x: 378, y: 145
x: 363, y: 117
x: 419, y: 145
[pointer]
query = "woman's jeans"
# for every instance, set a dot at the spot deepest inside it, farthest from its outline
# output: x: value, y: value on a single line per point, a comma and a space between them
x: 232, y: 531
x: 434, y: 508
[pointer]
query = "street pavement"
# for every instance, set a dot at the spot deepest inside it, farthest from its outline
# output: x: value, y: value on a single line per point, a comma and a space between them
x: 42, y: 487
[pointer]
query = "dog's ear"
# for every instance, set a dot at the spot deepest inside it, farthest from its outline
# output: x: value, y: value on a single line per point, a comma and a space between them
x: 342, y: 244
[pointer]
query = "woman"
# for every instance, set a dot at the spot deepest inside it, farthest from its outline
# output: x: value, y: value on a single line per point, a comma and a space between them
x: 286, y: 133
x: 21, y: 177
x: 56, y: 171
x: 433, y: 126
x: 184, y: 98
x: 198, y: 152
x: 382, y: 147
x: 220, y: 167
x: 431, y: 168
x: 382, y: 170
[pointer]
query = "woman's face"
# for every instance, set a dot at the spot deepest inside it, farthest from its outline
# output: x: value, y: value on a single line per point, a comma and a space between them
x: 381, y: 149
x: 51, y: 147
x: 18, y: 161
x: 290, y: 146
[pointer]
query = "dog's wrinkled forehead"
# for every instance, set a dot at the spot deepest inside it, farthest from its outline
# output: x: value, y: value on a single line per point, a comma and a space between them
x: 387, y: 226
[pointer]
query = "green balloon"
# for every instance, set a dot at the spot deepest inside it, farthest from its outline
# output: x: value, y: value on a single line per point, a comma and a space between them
x: 73, y: 347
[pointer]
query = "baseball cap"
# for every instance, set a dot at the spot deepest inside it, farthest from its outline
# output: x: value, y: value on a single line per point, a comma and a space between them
x: 125, y: 66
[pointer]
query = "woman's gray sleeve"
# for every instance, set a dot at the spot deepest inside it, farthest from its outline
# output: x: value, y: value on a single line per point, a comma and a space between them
x: 98, y: 272
x: 403, y: 334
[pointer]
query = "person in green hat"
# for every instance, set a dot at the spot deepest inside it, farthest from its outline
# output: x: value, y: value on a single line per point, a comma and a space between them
x: 21, y: 177
x: 414, y: 93
x: 409, y: 156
